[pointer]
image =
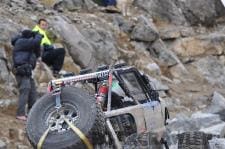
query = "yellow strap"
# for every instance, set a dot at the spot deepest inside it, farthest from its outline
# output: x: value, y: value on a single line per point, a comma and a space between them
x: 80, y: 134
x: 74, y: 128
x: 42, y: 139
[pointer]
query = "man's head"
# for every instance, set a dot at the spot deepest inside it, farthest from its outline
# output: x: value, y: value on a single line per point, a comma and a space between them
x: 27, y: 33
x: 43, y: 24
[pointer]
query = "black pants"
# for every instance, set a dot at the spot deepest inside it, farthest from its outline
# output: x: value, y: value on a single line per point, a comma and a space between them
x: 54, y: 58
x: 27, y: 95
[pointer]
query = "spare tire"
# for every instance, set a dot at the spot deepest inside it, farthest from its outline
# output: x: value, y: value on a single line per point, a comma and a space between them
x: 79, y: 107
x: 193, y: 140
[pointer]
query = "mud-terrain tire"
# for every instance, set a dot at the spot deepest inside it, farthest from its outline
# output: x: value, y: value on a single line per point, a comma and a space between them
x: 89, y: 119
x: 193, y: 140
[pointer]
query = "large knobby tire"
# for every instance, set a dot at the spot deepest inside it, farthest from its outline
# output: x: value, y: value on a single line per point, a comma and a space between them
x: 87, y: 116
x: 193, y: 140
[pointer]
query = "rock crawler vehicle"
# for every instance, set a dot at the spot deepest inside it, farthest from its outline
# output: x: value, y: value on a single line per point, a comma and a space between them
x: 107, y: 106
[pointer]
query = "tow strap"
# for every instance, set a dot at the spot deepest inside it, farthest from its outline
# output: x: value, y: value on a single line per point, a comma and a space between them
x: 75, y: 130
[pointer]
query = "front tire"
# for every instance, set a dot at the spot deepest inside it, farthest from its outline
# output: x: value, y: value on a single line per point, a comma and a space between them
x: 193, y: 140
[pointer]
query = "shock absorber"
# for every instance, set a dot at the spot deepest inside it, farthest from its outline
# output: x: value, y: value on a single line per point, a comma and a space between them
x: 102, y: 93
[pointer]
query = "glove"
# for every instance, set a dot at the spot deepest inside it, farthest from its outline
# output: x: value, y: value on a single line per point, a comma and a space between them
x: 48, y: 47
x: 37, y: 33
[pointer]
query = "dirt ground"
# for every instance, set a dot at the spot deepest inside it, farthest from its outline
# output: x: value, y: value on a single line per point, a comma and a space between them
x: 12, y: 131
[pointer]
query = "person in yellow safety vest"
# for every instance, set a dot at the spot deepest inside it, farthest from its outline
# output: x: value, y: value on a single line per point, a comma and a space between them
x: 53, y: 57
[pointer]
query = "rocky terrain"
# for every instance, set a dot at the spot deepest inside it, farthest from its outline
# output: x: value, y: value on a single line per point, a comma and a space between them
x: 180, y: 44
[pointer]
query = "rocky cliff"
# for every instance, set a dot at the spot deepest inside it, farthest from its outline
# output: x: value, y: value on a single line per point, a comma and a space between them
x: 180, y: 44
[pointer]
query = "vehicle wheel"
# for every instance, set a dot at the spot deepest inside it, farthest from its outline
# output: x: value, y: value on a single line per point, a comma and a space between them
x: 143, y: 141
x: 77, y: 106
x: 193, y: 140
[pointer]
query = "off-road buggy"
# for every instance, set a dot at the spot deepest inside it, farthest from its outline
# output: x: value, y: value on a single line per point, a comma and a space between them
x: 122, y: 103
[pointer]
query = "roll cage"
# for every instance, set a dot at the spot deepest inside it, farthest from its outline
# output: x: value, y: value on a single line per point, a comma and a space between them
x: 134, y: 84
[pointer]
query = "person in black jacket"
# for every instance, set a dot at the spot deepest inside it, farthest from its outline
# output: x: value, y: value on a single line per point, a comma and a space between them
x: 25, y: 53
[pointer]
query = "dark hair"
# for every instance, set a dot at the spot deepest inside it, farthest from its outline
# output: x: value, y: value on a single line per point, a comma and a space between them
x: 27, y: 33
x: 39, y: 21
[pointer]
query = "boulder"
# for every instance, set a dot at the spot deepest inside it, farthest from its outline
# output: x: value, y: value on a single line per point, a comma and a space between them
x: 198, y: 12
x: 2, y: 145
x: 211, y: 44
x: 169, y: 32
x: 20, y: 146
x: 6, y: 76
x: 42, y: 73
x: 159, y: 50
x: 123, y: 24
x: 162, y: 10
x: 16, y: 134
x: 215, y: 130
x: 81, y: 51
x: 102, y: 42
x: 73, y: 5
x: 217, y: 103
x: 144, y: 31
x: 158, y: 85
x: 4, y: 103
x: 217, y: 143
x: 70, y: 66
x: 211, y: 69
x: 205, y: 120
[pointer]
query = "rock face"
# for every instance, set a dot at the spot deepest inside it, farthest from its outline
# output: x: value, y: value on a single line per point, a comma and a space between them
x: 81, y: 51
x: 217, y: 143
x: 159, y: 50
x: 184, y: 11
x: 198, y: 12
x: 73, y: 5
x: 144, y: 30
x: 217, y: 104
x: 211, y: 44
x: 163, y: 9
x: 178, y: 43
x: 2, y: 145
x: 212, y: 70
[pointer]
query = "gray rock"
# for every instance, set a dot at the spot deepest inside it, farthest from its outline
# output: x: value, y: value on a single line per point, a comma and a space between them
x: 80, y: 50
x: 162, y: 9
x: 7, y: 102
x: 102, y: 42
x: 216, y: 130
x: 170, y: 33
x: 73, y: 5
x: 205, y: 120
x: 157, y: 85
x: 2, y: 145
x: 154, y: 68
x: 212, y: 70
x: 198, y: 12
x: 20, y: 146
x: 17, y: 134
x: 159, y: 50
x: 217, y: 104
x: 144, y: 31
x: 217, y: 143
x: 123, y: 24
x: 6, y: 76
x: 219, y: 8
x: 187, y: 32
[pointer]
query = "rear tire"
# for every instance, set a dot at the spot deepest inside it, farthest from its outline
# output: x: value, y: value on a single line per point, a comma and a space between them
x: 77, y: 105
x: 193, y: 140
